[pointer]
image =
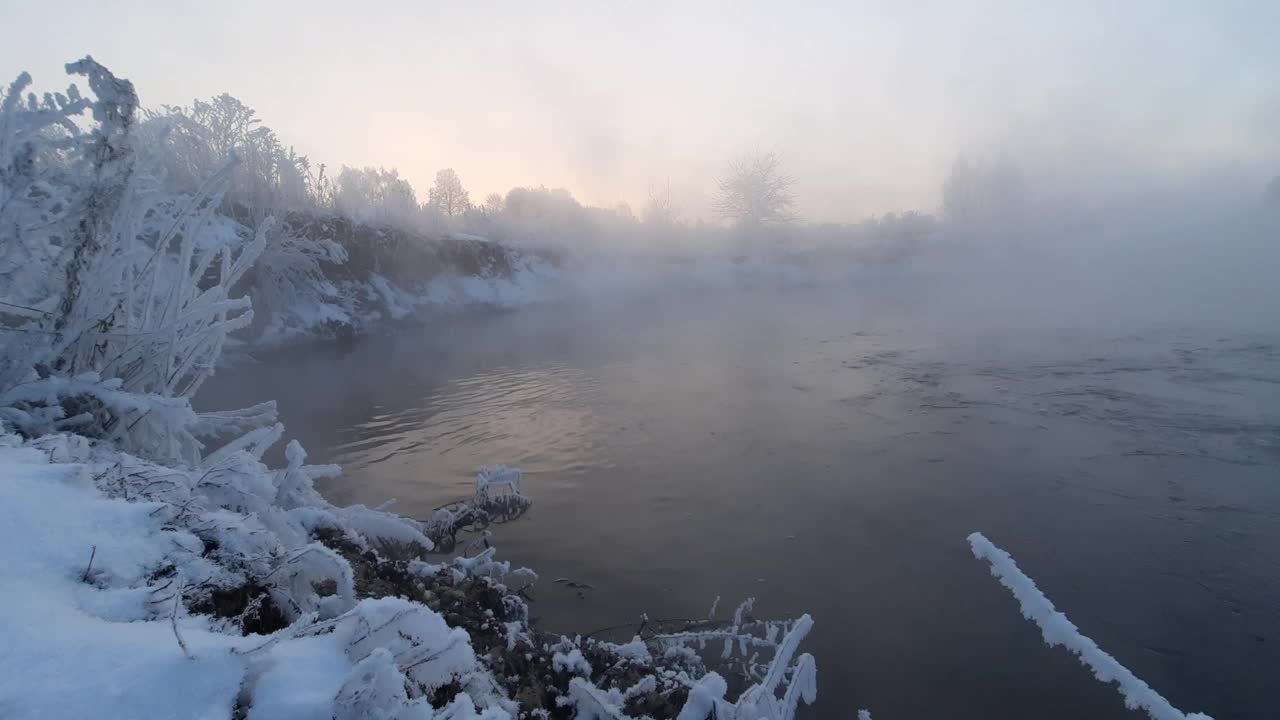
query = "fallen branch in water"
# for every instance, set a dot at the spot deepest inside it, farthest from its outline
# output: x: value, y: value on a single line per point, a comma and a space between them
x: 486, y: 507
x: 1058, y: 630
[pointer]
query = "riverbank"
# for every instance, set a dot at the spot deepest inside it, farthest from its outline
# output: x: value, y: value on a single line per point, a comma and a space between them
x: 234, y: 590
x: 327, y: 277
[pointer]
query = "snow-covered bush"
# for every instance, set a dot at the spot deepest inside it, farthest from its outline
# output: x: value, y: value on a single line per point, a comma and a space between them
x: 291, y: 289
x: 124, y: 288
x: 193, y: 143
x: 42, y: 164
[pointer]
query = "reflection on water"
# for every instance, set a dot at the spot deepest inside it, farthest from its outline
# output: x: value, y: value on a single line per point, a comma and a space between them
x: 535, y: 414
x: 833, y: 462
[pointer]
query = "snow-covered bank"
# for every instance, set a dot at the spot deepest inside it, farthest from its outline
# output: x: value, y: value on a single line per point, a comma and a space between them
x: 142, y: 625
x: 70, y: 649
x: 329, y: 277
x: 232, y: 590
x: 357, y: 308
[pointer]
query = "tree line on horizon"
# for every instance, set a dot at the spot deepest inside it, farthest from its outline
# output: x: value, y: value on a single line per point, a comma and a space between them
x: 753, y: 195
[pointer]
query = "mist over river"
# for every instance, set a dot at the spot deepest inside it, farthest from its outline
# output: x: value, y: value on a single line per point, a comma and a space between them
x: 829, y: 455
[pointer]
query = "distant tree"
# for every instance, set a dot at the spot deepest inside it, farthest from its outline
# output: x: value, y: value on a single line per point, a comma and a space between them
x: 375, y: 195
x: 326, y: 191
x: 493, y: 204
x: 983, y: 191
x: 447, y: 195
x: 755, y: 192
x: 542, y: 203
x: 659, y: 210
x: 551, y: 216
x: 624, y: 213
x: 196, y: 140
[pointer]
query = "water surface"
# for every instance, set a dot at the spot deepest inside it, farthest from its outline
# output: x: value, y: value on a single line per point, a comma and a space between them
x: 829, y: 457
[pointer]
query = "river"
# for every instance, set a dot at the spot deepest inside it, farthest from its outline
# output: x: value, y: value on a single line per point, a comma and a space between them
x: 786, y: 446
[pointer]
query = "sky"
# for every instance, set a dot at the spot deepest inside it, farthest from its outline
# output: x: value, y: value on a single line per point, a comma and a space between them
x: 868, y: 103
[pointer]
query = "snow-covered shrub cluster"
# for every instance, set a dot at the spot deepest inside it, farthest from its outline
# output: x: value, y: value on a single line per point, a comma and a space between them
x: 290, y: 283
x: 194, y: 142
x: 119, y: 293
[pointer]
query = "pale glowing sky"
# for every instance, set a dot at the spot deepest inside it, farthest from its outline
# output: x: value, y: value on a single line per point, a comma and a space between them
x: 868, y: 103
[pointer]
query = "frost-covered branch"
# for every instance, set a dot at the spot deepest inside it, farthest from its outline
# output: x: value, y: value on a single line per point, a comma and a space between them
x: 497, y: 499
x: 1058, y: 630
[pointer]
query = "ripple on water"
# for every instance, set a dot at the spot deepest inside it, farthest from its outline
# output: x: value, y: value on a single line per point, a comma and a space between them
x: 541, y: 418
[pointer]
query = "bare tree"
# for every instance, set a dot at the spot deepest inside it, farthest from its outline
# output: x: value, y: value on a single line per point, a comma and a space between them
x: 448, y: 195
x: 755, y: 192
x: 659, y: 210
x: 493, y: 203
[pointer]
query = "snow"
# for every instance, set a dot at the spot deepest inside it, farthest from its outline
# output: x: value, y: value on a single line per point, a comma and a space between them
x: 392, y: 298
x: 571, y: 662
x: 591, y: 703
x: 797, y: 680
x: 635, y: 651
x: 704, y: 698
x: 73, y: 649
x: 361, y: 305
x: 1058, y: 630
x: 532, y: 281
x: 98, y: 640
x: 296, y: 680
